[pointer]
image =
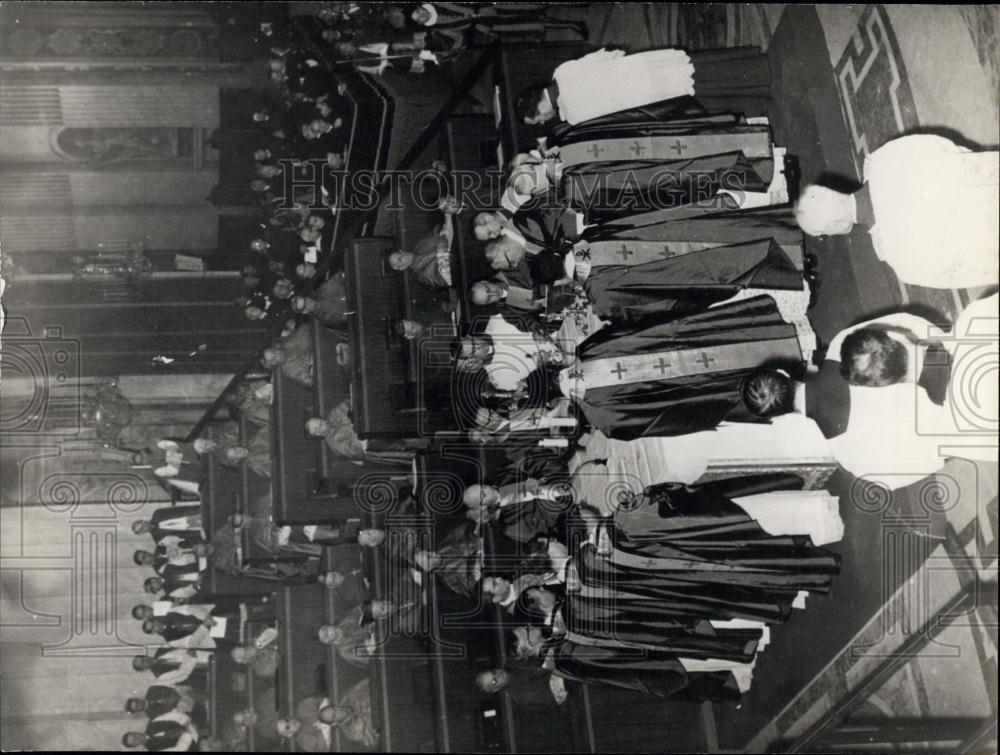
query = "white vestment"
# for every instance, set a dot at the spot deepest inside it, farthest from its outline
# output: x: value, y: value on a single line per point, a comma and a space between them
x: 606, y: 82
x: 936, y: 217
x: 896, y: 435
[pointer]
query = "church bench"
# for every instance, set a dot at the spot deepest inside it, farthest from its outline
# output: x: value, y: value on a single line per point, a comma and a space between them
x: 401, y: 690
x: 387, y: 398
x: 223, y: 701
x: 339, y: 676
x: 251, y: 490
x: 469, y: 152
x: 301, y: 656
x: 295, y: 469
x: 331, y: 388
x: 219, y: 494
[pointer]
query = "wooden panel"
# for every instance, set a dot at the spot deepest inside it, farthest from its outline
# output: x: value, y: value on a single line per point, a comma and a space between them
x: 332, y: 387
x: 295, y: 475
x: 302, y: 656
x: 382, y: 399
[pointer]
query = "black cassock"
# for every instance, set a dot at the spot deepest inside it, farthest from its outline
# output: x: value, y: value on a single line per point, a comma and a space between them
x: 673, y: 117
x: 612, y: 190
x: 681, y: 403
x: 650, y: 672
x: 690, y: 282
x: 683, y: 556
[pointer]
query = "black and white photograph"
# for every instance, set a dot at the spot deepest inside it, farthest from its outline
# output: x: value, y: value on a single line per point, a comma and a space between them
x: 481, y: 377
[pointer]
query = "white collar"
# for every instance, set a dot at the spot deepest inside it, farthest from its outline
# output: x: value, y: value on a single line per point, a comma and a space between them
x: 512, y: 233
x: 511, y: 598
x: 432, y: 12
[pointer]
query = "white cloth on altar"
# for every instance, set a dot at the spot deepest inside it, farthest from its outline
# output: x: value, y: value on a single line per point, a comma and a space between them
x: 636, y: 464
x: 609, y: 81
x: 935, y: 205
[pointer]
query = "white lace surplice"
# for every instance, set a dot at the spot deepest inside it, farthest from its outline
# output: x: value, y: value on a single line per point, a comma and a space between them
x: 605, y: 82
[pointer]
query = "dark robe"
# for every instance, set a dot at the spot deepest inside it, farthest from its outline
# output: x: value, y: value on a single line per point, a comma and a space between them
x: 177, y: 626
x: 174, y: 574
x: 647, y: 671
x: 658, y: 623
x: 527, y: 460
x: 828, y: 400
x: 546, y: 220
x: 607, y: 191
x: 163, y: 734
x: 187, y: 537
x: 687, y: 404
x: 727, y: 227
x: 688, y: 283
x: 727, y: 80
x: 736, y: 78
x: 163, y: 665
x: 161, y: 699
x: 542, y: 268
x: 530, y: 520
x: 529, y: 685
x: 680, y: 115
x: 683, y: 556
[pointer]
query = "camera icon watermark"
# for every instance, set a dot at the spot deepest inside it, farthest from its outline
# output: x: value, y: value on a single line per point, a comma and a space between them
x: 41, y: 374
x: 972, y: 349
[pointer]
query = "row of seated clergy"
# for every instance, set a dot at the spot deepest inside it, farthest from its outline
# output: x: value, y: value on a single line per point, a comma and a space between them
x: 620, y: 591
x: 641, y: 381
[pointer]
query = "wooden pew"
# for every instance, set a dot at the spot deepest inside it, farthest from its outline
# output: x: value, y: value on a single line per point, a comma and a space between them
x: 387, y: 398
x: 219, y: 494
x: 331, y: 388
x: 295, y: 461
x: 471, y: 143
x: 301, y: 655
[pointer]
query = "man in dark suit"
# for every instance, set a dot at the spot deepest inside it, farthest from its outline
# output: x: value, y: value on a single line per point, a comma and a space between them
x: 162, y: 735
x: 528, y: 684
x: 159, y: 700
x: 171, y: 665
x: 183, y: 522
